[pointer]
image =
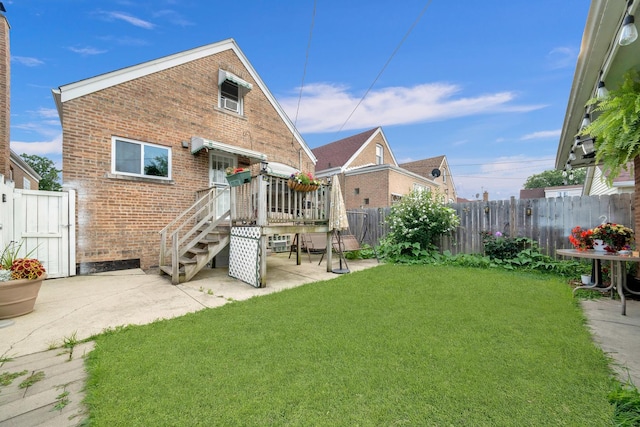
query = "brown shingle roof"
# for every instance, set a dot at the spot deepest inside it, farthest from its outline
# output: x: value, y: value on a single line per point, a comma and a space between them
x: 424, y: 167
x: 335, y: 154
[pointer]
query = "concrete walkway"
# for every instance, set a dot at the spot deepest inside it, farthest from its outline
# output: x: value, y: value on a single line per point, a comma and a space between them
x: 79, y: 307
x: 76, y: 308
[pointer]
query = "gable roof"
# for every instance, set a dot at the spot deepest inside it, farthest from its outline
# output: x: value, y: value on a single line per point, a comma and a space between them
x: 339, y: 154
x: 19, y: 162
x: 425, y: 166
x: 103, y: 81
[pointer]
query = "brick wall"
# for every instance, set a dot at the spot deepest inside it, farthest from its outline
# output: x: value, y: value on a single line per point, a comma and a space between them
x: 119, y: 219
x: 19, y: 175
x: 5, y: 92
x: 377, y: 186
x: 368, y: 154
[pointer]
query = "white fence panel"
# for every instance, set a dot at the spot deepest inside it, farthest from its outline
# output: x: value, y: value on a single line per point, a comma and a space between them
x: 6, y: 212
x: 45, y: 222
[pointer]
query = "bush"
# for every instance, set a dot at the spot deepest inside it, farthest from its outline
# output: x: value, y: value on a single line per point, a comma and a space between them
x: 496, y: 246
x: 416, y: 222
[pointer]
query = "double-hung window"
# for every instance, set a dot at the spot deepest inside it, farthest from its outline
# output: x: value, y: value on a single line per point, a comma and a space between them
x: 379, y: 154
x: 141, y: 159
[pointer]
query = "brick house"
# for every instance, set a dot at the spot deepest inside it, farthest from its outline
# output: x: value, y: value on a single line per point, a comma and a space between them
x: 22, y: 174
x: 426, y: 168
x: 140, y: 142
x: 369, y: 175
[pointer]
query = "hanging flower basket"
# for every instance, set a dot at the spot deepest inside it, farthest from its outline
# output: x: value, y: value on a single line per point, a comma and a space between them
x: 239, y: 178
x: 303, y: 188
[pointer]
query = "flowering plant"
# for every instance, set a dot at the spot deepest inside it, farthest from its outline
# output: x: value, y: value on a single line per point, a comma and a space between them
x: 581, y: 239
x: 616, y: 236
x: 232, y: 171
x: 14, y: 268
x: 305, y: 178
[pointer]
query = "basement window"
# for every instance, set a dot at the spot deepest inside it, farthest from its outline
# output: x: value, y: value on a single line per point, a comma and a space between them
x: 135, y: 158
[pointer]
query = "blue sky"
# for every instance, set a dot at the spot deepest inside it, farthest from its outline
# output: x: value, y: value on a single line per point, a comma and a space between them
x: 484, y: 83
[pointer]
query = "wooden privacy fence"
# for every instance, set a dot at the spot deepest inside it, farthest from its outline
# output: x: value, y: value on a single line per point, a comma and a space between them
x: 546, y: 221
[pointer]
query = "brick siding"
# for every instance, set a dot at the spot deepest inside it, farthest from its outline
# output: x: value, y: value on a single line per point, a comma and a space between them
x: 119, y: 219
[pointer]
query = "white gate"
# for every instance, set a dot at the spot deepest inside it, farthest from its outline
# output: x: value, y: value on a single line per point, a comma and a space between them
x: 45, y: 222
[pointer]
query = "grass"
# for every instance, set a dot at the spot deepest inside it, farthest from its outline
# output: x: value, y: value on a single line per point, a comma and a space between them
x: 392, y: 345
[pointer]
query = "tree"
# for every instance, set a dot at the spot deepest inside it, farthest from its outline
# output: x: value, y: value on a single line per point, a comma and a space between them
x: 554, y: 178
x: 50, y: 176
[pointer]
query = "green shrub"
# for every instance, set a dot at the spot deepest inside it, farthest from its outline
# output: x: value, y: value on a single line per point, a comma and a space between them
x: 416, y: 222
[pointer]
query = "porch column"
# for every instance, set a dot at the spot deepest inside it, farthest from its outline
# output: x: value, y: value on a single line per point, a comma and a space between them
x: 261, y: 221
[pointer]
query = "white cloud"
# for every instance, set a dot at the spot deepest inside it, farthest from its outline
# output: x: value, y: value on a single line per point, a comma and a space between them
x: 501, y: 177
x: 28, y: 61
x: 173, y: 17
x: 325, y: 107
x: 562, y: 57
x: 123, y: 16
x: 48, y: 113
x: 544, y: 134
x: 86, y: 50
x: 40, y: 148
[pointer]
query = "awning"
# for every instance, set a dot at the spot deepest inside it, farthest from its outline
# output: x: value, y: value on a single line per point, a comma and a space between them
x: 198, y: 144
x: 225, y: 75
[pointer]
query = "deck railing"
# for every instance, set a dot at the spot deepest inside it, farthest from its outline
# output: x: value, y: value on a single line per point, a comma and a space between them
x: 268, y: 198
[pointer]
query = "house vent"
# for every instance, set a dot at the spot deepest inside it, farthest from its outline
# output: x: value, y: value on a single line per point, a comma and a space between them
x: 229, y: 104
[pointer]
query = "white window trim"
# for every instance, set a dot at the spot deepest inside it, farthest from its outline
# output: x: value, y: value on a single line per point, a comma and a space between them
x: 140, y: 175
x: 379, y: 149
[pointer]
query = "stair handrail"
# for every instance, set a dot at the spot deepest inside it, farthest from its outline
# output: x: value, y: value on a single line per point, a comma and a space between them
x: 175, y: 242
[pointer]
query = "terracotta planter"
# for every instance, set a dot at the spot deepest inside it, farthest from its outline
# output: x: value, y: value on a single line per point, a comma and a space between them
x: 17, y: 297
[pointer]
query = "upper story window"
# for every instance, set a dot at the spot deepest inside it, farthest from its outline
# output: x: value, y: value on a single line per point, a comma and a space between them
x: 379, y: 154
x: 419, y: 187
x: 26, y: 184
x: 232, y: 91
x: 142, y: 159
x: 444, y: 175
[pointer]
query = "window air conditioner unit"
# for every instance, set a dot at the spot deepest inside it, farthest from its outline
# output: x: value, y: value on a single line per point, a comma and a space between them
x: 229, y: 104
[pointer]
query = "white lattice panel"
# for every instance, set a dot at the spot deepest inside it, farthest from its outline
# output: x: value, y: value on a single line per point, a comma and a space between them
x: 244, y: 255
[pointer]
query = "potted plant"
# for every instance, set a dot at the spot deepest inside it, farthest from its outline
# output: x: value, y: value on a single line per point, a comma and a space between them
x: 237, y: 176
x: 615, y: 237
x: 616, y: 128
x: 20, y: 281
x: 303, y: 181
x: 581, y: 239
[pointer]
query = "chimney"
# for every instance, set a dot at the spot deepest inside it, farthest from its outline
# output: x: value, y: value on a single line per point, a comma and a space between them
x: 5, y: 94
x: 485, y: 196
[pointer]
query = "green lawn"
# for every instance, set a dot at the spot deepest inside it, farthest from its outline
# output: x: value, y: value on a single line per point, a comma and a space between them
x: 392, y: 345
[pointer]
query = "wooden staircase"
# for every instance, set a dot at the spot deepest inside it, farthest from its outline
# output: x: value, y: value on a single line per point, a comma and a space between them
x: 189, y: 243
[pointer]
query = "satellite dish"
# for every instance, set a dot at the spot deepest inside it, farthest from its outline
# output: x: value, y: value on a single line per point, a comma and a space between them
x: 435, y: 173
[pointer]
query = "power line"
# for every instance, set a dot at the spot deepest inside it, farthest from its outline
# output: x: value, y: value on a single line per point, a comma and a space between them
x: 386, y: 64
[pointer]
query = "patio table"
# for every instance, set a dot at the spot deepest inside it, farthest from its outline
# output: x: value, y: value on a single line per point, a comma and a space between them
x: 618, y: 271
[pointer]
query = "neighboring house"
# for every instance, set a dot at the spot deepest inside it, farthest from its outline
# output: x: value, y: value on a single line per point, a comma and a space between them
x: 141, y: 143
x: 562, y: 191
x: 22, y: 174
x: 439, y: 166
x: 369, y: 175
x: 595, y: 183
x: 551, y: 192
x: 601, y: 59
x: 532, y: 193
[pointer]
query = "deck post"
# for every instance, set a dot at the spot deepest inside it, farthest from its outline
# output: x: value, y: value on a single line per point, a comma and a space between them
x: 261, y: 221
